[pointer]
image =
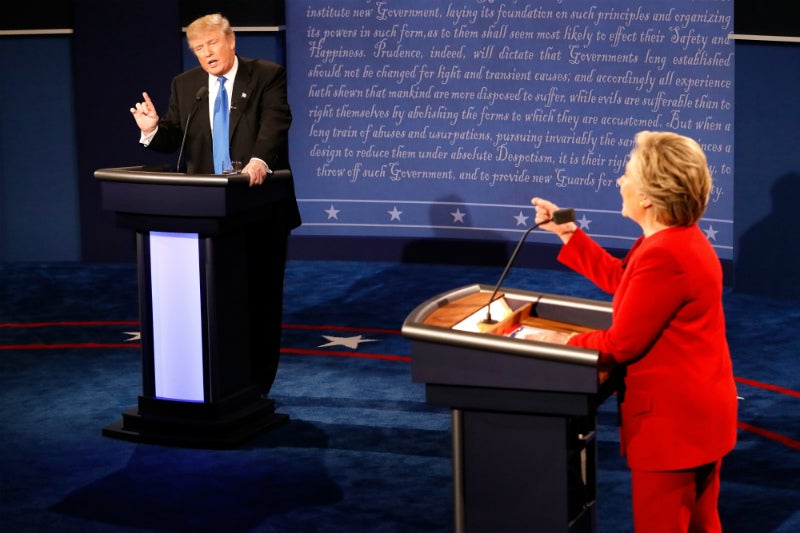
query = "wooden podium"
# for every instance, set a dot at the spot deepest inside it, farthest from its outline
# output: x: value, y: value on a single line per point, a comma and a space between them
x: 193, y: 304
x: 523, y: 412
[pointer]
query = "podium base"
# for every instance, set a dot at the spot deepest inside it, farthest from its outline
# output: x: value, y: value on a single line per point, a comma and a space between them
x: 222, y: 425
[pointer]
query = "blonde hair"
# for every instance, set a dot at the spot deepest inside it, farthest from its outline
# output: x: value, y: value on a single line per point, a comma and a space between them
x: 673, y: 173
x: 207, y: 23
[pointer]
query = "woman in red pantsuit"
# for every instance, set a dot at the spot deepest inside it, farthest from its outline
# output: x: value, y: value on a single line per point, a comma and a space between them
x: 678, y: 399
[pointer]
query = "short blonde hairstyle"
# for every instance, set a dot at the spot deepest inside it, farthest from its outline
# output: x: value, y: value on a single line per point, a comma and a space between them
x: 209, y: 23
x: 673, y: 173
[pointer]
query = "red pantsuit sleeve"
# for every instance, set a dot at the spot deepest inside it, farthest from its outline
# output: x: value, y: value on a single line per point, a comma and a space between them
x: 678, y: 406
x: 643, y: 305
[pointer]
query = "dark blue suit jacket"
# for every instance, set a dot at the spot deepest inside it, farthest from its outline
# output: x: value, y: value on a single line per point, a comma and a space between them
x: 259, y: 124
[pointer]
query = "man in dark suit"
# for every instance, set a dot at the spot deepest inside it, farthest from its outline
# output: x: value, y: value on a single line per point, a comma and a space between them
x: 258, y: 125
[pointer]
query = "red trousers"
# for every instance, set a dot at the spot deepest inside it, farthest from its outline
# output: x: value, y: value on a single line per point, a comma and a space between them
x: 677, y: 501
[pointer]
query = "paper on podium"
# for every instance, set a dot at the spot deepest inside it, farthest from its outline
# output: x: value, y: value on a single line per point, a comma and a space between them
x: 500, y: 310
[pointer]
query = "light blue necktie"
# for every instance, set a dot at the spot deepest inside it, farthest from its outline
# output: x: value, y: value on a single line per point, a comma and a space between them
x: 222, y: 157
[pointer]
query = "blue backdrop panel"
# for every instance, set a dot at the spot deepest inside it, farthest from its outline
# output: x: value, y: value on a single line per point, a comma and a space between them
x: 38, y: 199
x: 113, y: 63
x: 445, y: 118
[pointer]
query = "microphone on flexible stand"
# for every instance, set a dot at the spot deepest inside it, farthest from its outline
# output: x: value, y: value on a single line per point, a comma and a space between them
x: 559, y: 216
x: 199, y: 95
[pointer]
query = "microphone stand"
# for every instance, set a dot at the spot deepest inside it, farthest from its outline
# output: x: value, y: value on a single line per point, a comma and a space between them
x: 201, y: 92
x: 560, y: 216
x: 183, y: 141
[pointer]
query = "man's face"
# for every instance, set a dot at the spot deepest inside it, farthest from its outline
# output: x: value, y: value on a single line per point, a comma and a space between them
x: 214, y: 51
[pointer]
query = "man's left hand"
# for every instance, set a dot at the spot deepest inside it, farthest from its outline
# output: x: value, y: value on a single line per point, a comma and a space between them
x: 257, y: 170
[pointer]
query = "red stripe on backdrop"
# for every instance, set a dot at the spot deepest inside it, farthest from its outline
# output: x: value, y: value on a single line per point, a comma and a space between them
x: 767, y: 434
x: 136, y: 323
x: 298, y: 351
x: 777, y: 437
x: 767, y: 386
x: 72, y: 324
x: 67, y: 346
x: 782, y: 439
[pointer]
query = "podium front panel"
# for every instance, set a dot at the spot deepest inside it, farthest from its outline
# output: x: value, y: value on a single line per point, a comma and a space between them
x: 462, y: 365
x: 177, y: 317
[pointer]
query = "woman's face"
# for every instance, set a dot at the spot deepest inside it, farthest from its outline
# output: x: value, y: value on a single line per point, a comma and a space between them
x: 632, y: 196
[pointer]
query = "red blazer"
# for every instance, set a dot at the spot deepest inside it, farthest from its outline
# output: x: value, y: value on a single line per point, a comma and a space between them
x: 678, y: 403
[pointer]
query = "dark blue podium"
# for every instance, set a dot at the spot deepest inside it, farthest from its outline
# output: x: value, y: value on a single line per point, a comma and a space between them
x: 523, y: 412
x: 197, y: 383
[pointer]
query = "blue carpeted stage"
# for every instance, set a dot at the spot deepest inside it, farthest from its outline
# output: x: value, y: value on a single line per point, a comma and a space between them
x: 363, y: 452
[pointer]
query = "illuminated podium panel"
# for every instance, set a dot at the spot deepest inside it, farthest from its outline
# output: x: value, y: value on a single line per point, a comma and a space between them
x: 191, y: 231
x: 523, y: 412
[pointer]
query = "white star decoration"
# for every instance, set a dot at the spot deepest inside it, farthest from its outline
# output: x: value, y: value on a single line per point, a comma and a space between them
x: 584, y: 222
x: 458, y: 216
x: 350, y: 342
x: 394, y: 213
x: 711, y: 233
x: 522, y: 220
x: 332, y: 213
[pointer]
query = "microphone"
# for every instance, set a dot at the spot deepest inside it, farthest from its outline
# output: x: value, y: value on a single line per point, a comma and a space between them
x: 199, y: 95
x: 559, y: 216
